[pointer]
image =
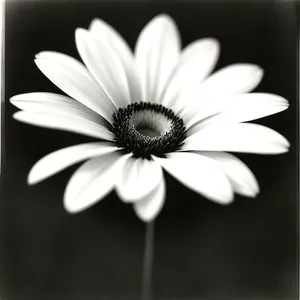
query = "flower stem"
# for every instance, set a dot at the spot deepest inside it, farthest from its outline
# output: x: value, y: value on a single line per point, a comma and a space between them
x: 148, y: 262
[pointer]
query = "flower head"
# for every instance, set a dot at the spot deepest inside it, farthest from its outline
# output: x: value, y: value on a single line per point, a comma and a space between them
x: 152, y: 109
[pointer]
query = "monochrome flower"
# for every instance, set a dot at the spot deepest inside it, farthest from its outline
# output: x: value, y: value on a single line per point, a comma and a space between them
x: 151, y: 110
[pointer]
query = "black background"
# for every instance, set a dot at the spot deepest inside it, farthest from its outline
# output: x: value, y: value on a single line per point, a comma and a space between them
x: 247, y: 250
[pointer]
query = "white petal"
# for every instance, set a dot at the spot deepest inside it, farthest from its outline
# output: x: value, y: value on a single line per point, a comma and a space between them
x: 200, y: 174
x: 196, y: 62
x: 74, y: 79
x: 70, y: 123
x: 150, y: 206
x: 138, y: 178
x: 64, y: 158
x: 55, y: 104
x: 108, y: 35
x: 157, y: 52
x: 240, y: 176
x: 105, y: 66
x: 243, y: 137
x: 215, y: 120
x: 240, y: 108
x: 248, y: 107
x: 234, y: 79
x: 92, y: 182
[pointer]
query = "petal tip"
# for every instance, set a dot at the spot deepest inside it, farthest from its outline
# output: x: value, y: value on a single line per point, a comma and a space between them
x: 33, y: 176
x: 95, y: 22
x: 69, y: 205
x: 227, y: 201
x: 253, y: 195
x: 39, y: 60
x: 14, y: 98
x: 212, y: 43
x: 163, y: 16
x: 227, y: 197
x: 284, y: 143
x: 256, y: 190
x: 31, y: 179
x: 230, y: 199
x: 80, y: 35
x: 259, y: 71
x: 145, y: 216
x: 145, y: 219
x: 18, y: 115
x: 71, y: 210
x: 250, y: 193
x: 38, y: 55
x: 43, y: 54
x: 285, y: 150
x: 252, y: 68
x: 164, y: 20
x: 282, y: 149
x: 122, y: 198
x: 80, y: 31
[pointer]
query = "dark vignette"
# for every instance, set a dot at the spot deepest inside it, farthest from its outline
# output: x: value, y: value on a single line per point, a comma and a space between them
x: 247, y: 250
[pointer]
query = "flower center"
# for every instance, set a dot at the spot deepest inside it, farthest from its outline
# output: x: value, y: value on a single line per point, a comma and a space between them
x: 148, y: 128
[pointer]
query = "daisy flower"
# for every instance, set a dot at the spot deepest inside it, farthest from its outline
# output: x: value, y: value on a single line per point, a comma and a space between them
x: 154, y: 109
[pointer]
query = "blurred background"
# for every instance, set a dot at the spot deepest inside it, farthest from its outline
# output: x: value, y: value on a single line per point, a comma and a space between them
x: 247, y: 250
